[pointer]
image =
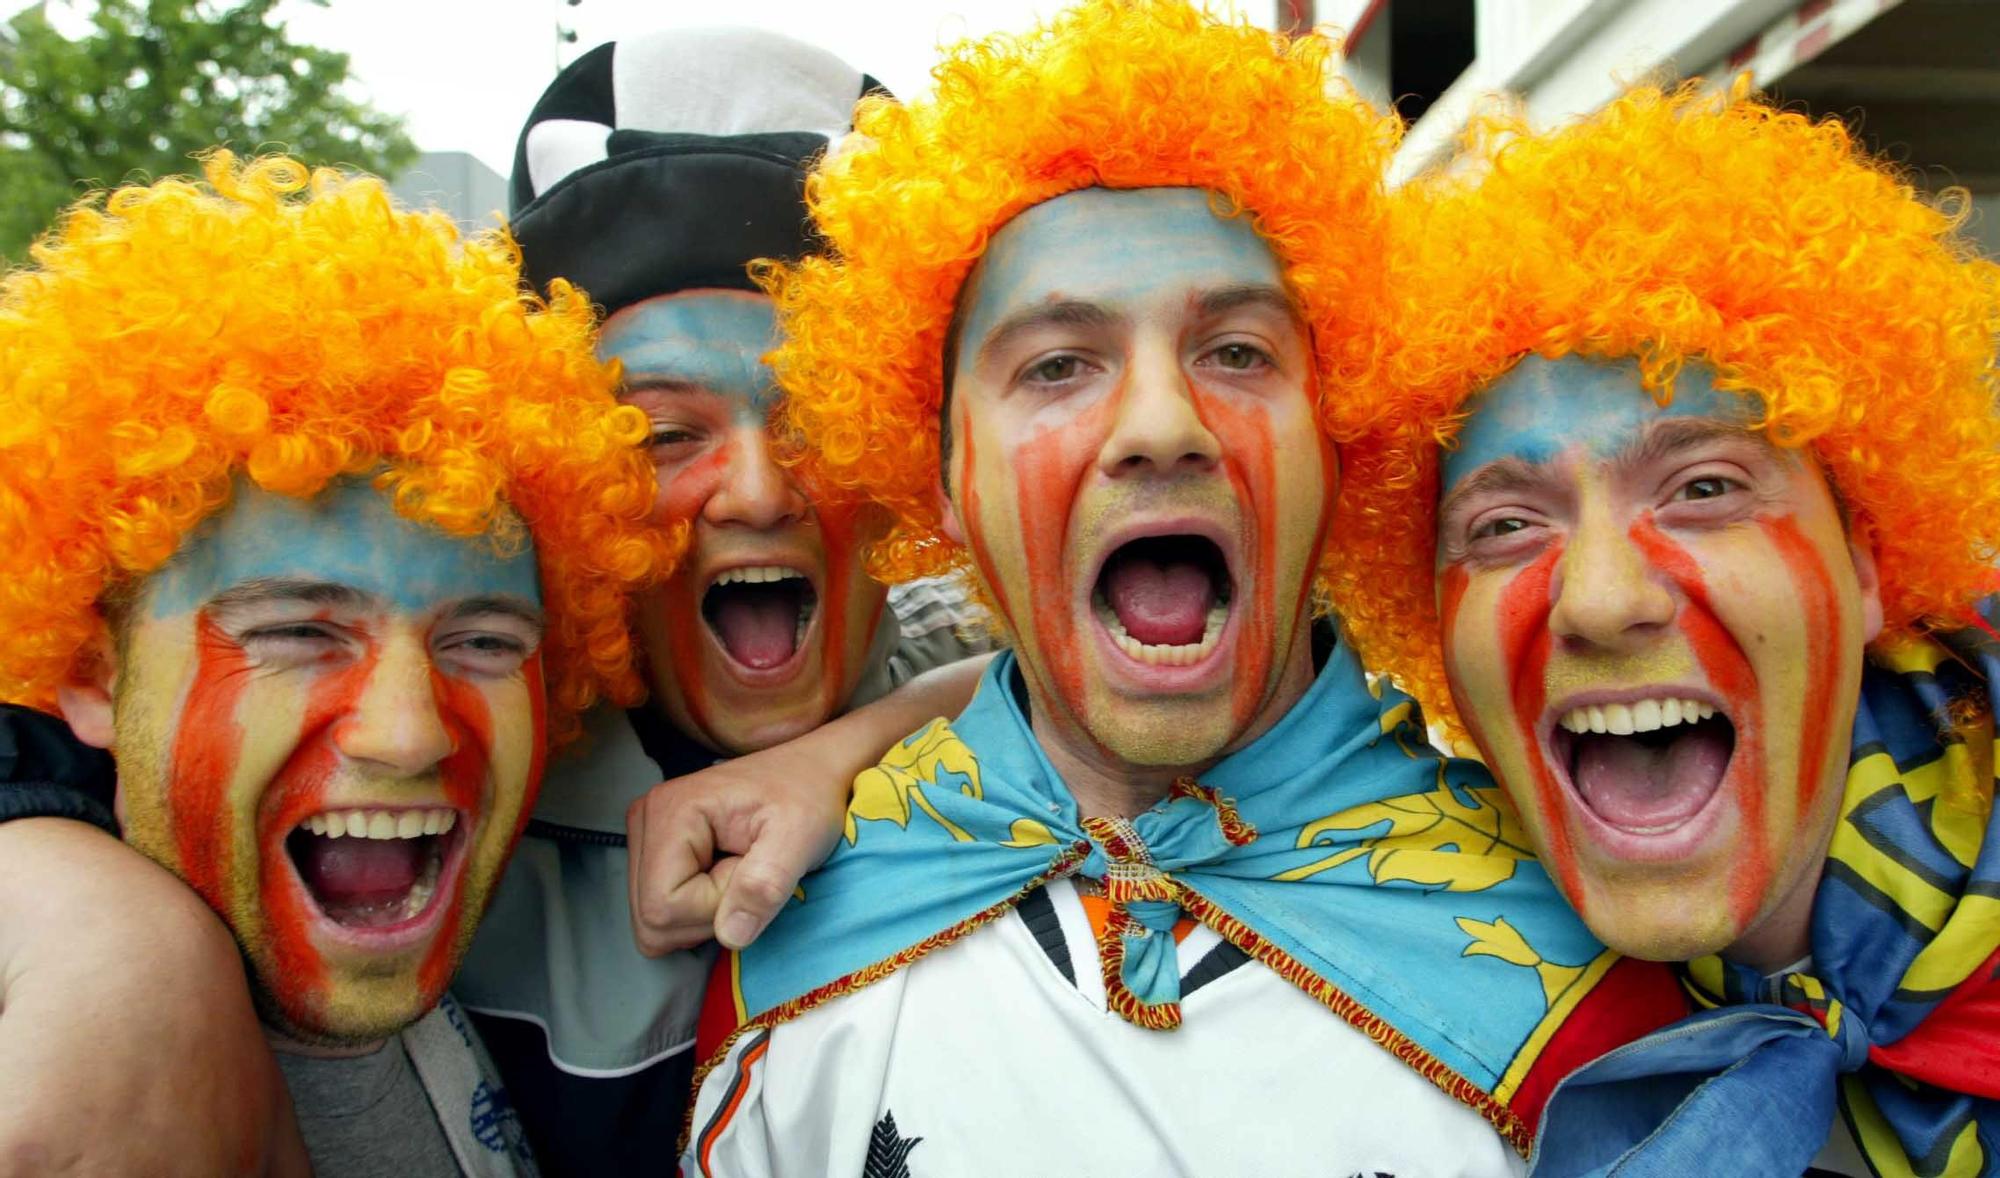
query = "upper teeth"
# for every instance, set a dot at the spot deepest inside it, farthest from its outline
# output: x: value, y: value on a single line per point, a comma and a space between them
x: 757, y: 574
x: 1644, y: 716
x: 1164, y: 654
x: 381, y: 824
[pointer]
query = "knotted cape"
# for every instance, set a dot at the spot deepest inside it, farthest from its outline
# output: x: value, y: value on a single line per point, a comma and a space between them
x: 1391, y: 884
x: 1894, y: 1021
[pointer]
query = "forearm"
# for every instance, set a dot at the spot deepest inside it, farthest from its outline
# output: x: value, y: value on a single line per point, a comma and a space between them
x: 858, y: 739
x: 721, y: 849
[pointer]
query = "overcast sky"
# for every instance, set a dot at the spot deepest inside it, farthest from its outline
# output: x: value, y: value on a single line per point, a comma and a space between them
x: 466, y: 72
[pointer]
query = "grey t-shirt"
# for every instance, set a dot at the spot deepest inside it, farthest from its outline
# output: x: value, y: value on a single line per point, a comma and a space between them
x: 426, y: 1103
x: 366, y: 1116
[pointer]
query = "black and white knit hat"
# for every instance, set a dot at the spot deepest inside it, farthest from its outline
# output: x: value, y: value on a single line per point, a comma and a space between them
x: 671, y: 161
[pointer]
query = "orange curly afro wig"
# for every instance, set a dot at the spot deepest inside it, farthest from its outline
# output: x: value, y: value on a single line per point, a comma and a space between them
x: 1114, y: 94
x: 289, y: 328
x: 1677, y: 227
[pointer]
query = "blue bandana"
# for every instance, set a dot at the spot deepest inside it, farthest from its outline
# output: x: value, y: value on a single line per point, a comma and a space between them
x: 1338, y: 849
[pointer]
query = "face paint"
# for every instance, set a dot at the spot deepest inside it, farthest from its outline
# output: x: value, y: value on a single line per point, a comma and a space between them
x: 1131, y: 378
x: 306, y: 667
x: 762, y: 633
x: 1653, y: 628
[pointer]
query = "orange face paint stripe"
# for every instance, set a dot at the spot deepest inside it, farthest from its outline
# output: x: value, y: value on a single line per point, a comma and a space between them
x: 974, y: 527
x: 206, y: 750
x: 1050, y: 469
x: 1728, y: 669
x: 681, y: 498
x: 1249, y: 456
x: 297, y: 790
x: 840, y: 546
x: 1522, y: 623
x: 465, y: 777
x: 1823, y: 654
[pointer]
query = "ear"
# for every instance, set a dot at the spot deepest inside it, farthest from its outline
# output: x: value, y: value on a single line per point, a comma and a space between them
x: 1861, y: 549
x: 85, y: 698
x: 952, y: 527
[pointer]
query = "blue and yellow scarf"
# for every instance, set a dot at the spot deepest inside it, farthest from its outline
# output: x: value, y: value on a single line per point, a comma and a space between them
x: 1895, y: 1021
x: 1391, y: 884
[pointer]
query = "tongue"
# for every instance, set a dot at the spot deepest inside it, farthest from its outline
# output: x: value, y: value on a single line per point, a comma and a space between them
x: 356, y: 872
x: 1160, y: 603
x: 759, y: 628
x: 1640, y: 788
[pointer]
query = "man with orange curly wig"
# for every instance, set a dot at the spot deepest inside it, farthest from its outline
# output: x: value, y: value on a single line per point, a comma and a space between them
x: 1176, y: 871
x: 327, y: 531
x: 1696, y: 568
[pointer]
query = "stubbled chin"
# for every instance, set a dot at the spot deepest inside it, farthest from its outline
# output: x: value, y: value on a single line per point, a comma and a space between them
x: 741, y: 719
x: 1654, y: 914
x: 1167, y: 732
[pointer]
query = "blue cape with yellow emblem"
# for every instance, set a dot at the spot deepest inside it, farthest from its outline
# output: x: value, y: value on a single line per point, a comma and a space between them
x: 1386, y: 881
x: 1895, y: 1020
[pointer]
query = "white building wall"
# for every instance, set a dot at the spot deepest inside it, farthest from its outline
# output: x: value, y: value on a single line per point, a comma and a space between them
x: 1568, y: 57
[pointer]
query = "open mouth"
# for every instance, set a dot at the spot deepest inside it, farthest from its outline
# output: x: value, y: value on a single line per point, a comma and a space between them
x: 1164, y: 599
x: 1645, y: 767
x: 375, y: 868
x: 760, y: 615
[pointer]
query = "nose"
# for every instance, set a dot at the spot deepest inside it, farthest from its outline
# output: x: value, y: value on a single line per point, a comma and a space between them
x: 756, y: 492
x: 1157, y: 427
x: 1607, y: 595
x: 395, y: 722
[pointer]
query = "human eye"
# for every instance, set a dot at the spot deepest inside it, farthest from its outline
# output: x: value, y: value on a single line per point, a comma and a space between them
x: 1055, y: 370
x: 1706, y: 486
x: 1237, y: 356
x: 288, y: 643
x: 672, y: 435
x: 1493, y: 528
x: 1498, y: 534
x: 484, y: 653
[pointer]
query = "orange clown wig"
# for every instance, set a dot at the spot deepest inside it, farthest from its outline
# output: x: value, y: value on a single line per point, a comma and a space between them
x: 1679, y: 227
x: 286, y: 328
x: 1152, y: 93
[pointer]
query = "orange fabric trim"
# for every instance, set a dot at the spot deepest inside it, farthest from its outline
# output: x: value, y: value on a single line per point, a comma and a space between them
x: 1154, y: 1016
x: 1061, y: 866
x: 1098, y: 909
x: 1235, y: 829
x: 1518, y: 1133
x: 750, y: 1061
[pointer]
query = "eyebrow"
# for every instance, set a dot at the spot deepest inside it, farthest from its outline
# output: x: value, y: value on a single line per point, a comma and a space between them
x: 1063, y: 313
x: 1499, y: 477
x: 1669, y: 437
x: 660, y: 381
x: 506, y: 604
x: 1662, y: 439
x: 299, y: 589
x: 1222, y: 300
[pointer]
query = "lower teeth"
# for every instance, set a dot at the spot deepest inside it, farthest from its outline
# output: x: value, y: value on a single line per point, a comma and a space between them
x: 421, y: 891
x: 1164, y: 654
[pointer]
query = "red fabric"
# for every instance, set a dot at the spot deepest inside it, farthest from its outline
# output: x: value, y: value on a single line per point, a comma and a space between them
x: 1633, y: 999
x: 718, y: 1010
x: 1957, y: 1047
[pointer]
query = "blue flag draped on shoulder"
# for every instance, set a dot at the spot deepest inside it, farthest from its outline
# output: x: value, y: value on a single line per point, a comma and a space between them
x: 1338, y: 849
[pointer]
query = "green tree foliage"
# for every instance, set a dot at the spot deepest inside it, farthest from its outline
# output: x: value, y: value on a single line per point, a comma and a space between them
x: 154, y: 82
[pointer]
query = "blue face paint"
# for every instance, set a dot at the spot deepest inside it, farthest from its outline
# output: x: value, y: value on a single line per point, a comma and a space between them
x: 1544, y: 407
x: 348, y: 535
x: 1117, y: 248
x: 713, y: 339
